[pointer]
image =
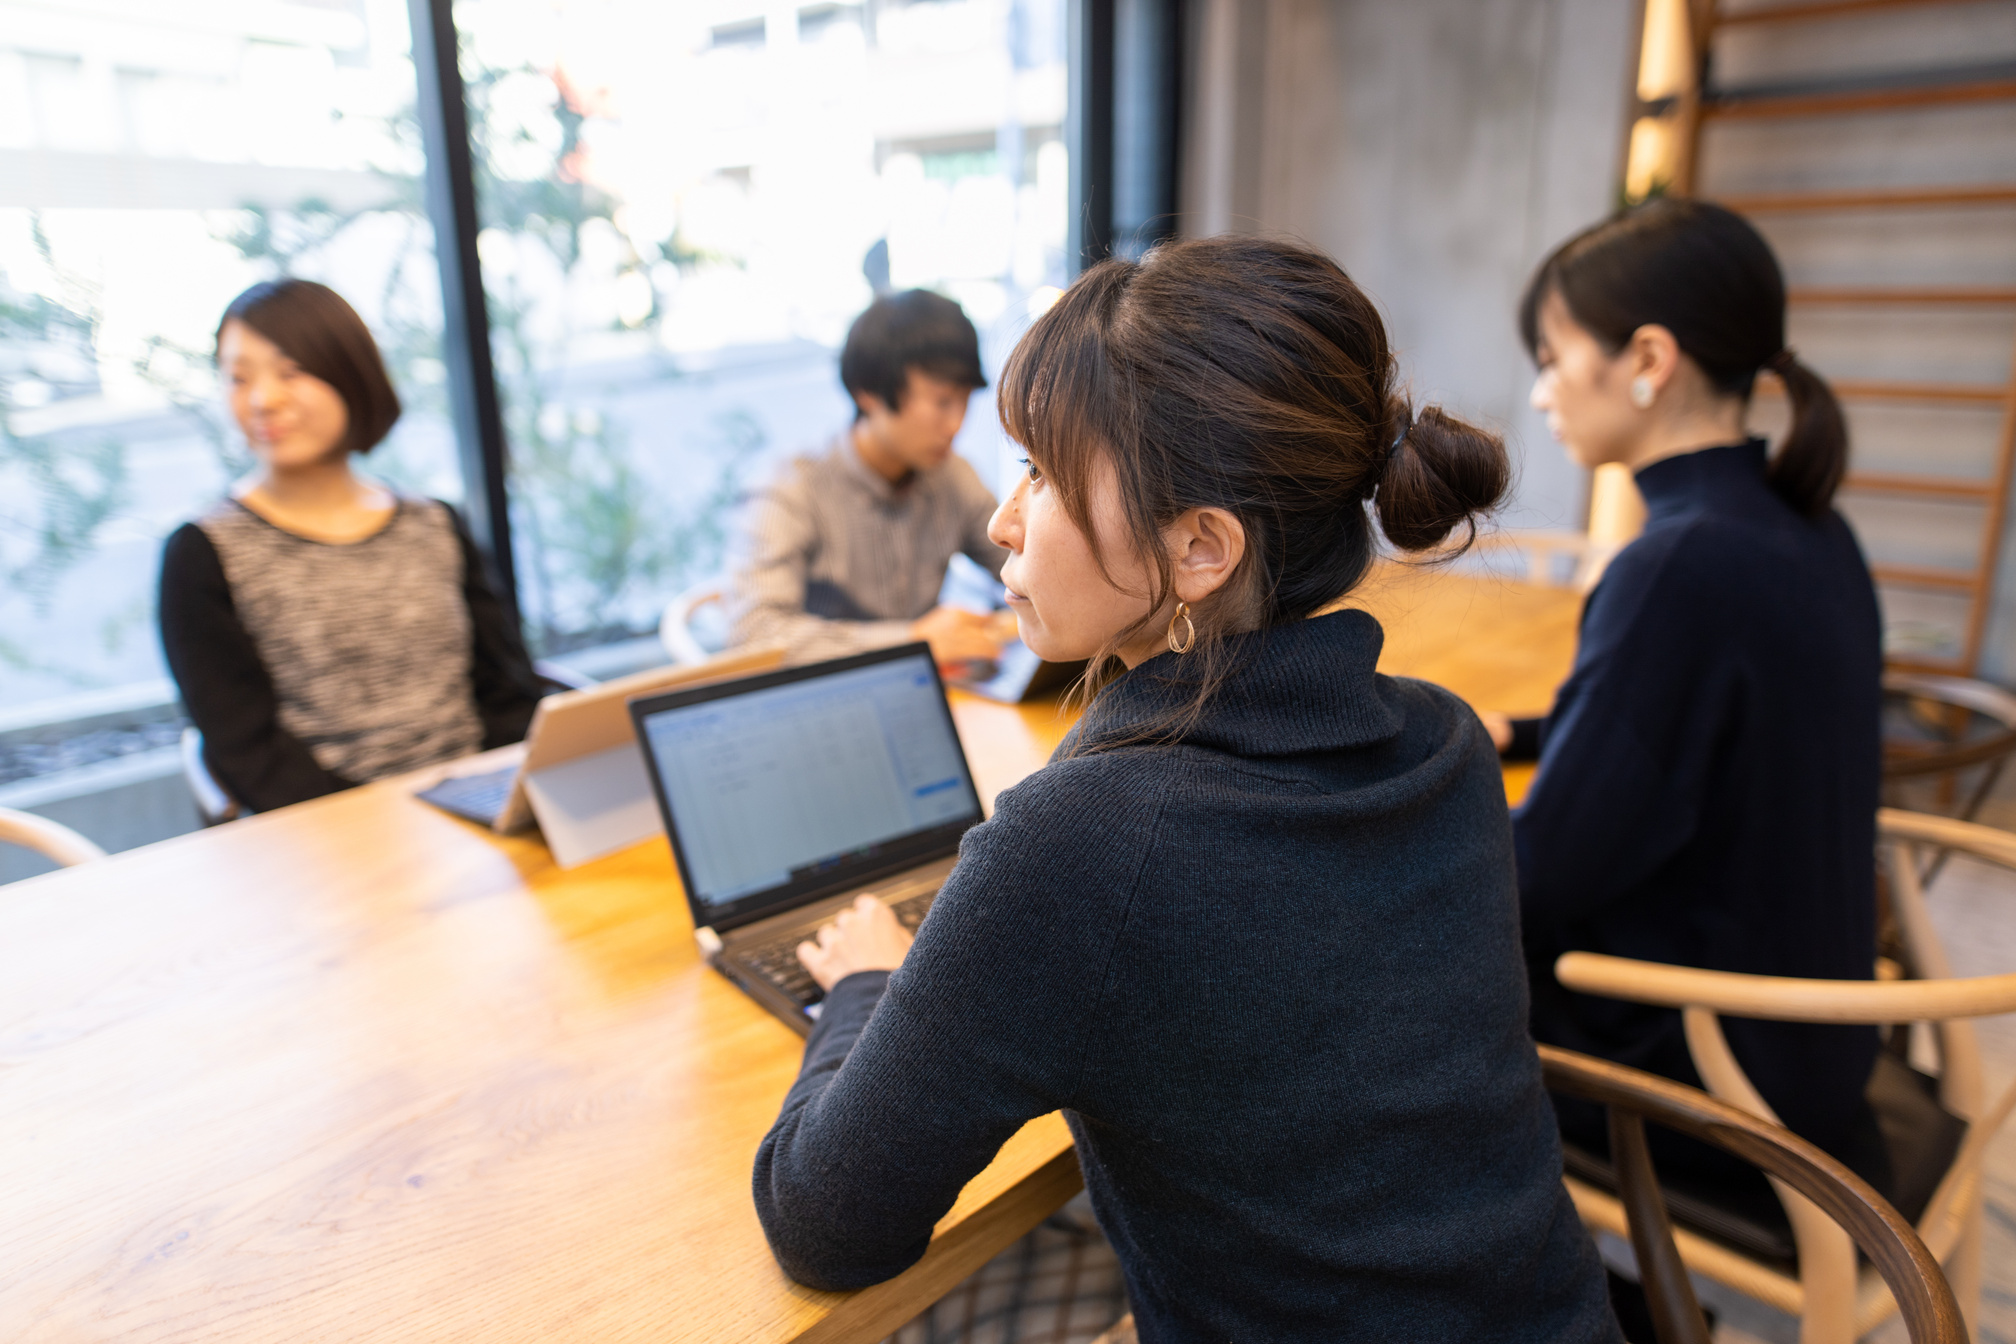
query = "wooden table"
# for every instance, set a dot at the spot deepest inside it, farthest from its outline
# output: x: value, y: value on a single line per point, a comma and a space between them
x: 357, y: 1071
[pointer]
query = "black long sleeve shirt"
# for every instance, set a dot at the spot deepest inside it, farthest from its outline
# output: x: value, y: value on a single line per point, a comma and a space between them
x: 1708, y: 785
x: 1272, y: 978
x: 230, y: 697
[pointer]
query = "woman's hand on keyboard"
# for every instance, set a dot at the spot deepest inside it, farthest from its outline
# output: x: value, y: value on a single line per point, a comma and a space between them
x: 865, y: 937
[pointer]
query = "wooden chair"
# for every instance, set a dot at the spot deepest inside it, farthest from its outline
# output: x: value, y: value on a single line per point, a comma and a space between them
x: 1856, y: 1214
x: 1545, y: 553
x: 675, y: 627
x: 1123, y: 1332
x: 1616, y: 517
x: 51, y: 839
x: 1939, y: 728
x: 214, y: 805
x: 1835, y: 1304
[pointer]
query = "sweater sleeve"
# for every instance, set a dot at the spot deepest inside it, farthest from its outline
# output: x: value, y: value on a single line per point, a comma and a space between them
x: 505, y: 687
x: 986, y: 1026
x: 767, y: 590
x: 225, y: 687
x: 1626, y: 752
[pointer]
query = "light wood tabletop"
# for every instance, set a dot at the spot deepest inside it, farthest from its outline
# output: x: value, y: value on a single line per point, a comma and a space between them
x: 356, y: 1070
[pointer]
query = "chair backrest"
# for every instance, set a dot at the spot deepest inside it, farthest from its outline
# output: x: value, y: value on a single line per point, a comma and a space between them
x: 52, y: 840
x: 1950, y: 1221
x: 213, y: 805
x: 1951, y: 752
x: 1931, y: 1313
x: 675, y: 628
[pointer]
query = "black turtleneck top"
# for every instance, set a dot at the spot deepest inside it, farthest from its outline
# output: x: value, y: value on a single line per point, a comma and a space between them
x: 1708, y: 784
x: 1272, y: 978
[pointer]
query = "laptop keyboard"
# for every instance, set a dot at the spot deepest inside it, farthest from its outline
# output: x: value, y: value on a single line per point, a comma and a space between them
x: 480, y: 798
x: 777, y: 962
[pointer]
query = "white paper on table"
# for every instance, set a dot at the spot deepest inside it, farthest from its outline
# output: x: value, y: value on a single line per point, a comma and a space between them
x: 594, y: 805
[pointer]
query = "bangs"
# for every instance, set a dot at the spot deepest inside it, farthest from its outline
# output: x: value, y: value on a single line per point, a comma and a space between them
x: 1061, y: 397
x: 1058, y: 397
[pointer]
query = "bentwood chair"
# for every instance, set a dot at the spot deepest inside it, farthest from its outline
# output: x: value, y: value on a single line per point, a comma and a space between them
x: 1616, y: 516
x: 52, y: 840
x: 675, y: 628
x: 1855, y: 1213
x: 214, y: 805
x: 1938, y: 1132
x: 1946, y: 741
x: 1839, y: 1199
x: 1551, y: 559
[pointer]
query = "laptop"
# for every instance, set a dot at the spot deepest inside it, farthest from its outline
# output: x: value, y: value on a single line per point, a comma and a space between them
x: 570, y: 726
x: 788, y: 794
x: 1016, y: 675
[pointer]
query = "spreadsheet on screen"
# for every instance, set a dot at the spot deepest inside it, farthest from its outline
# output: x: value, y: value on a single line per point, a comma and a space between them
x: 766, y: 784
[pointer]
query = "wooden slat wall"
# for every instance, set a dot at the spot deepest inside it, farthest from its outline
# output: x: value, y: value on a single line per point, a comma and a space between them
x: 1956, y: 58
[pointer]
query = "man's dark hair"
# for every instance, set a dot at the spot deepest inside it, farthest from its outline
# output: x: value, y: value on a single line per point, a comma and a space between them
x: 912, y: 330
x: 316, y: 329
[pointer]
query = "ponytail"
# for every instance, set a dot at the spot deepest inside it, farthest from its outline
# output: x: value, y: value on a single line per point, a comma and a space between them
x: 1809, y: 467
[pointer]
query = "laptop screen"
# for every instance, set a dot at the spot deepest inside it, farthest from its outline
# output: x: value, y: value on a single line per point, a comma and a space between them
x: 788, y: 785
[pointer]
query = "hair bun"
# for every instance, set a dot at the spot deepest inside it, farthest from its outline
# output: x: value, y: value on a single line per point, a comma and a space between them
x: 1439, y: 472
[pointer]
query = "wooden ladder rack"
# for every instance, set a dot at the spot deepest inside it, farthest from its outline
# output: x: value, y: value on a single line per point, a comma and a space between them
x: 1703, y: 104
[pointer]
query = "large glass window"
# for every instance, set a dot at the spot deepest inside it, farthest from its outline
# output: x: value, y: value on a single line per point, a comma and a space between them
x: 685, y: 203
x: 683, y: 206
x: 154, y: 160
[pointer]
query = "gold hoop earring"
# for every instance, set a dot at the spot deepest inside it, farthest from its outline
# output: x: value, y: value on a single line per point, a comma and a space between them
x: 1189, y: 629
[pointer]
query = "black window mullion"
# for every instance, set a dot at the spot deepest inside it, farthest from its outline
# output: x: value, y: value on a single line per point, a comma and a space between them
x: 465, y: 315
x: 1089, y: 132
x: 1125, y: 116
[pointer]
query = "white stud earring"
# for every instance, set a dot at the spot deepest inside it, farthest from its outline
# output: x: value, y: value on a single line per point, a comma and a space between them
x: 1641, y: 392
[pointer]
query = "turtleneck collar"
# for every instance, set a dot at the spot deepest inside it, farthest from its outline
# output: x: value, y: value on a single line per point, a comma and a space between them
x: 1303, y: 686
x: 1705, y: 476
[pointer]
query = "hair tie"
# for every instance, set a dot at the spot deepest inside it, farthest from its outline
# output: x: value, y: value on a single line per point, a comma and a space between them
x: 1781, y: 361
x: 1406, y: 428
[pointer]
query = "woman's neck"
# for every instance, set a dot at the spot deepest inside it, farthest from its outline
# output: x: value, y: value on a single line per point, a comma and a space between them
x: 1716, y: 424
x: 323, y: 501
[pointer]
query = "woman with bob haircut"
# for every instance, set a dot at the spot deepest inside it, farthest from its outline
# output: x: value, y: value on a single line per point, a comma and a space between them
x: 1254, y: 928
x: 325, y: 631
x: 1709, y: 773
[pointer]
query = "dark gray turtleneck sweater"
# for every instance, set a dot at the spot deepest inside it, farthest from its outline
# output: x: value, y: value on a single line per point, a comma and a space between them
x: 1271, y: 976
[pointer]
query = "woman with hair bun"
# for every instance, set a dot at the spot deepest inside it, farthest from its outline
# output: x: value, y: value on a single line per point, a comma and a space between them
x: 1254, y: 929
x: 1708, y: 775
x: 323, y: 630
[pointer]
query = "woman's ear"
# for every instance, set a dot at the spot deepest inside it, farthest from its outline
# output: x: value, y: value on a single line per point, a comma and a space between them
x: 1654, y: 355
x: 1205, y: 547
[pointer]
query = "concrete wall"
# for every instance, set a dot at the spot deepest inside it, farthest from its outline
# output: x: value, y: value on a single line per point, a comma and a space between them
x: 1438, y: 149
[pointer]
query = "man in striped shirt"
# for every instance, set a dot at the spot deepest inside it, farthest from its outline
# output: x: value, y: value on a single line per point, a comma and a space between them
x: 846, y: 550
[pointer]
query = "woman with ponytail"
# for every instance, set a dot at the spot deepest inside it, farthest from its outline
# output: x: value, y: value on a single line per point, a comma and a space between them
x: 1254, y: 930
x: 1708, y: 776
